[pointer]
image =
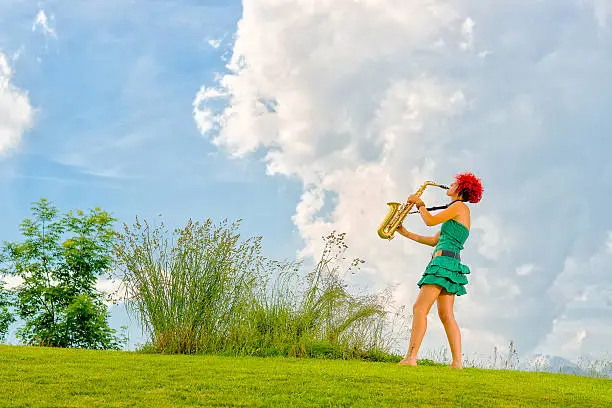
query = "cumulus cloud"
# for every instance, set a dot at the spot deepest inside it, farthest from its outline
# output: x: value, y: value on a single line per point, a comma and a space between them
x: 16, y: 113
x: 362, y: 101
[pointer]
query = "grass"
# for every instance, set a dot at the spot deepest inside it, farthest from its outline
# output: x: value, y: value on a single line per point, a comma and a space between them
x: 49, y: 377
x: 203, y: 289
x: 224, y: 333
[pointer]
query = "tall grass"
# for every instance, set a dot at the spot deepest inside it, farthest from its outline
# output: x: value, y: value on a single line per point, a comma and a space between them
x: 201, y: 289
x: 316, y: 314
x: 190, y: 288
x: 510, y: 360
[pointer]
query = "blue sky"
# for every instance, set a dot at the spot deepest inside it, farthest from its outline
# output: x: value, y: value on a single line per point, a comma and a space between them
x: 163, y: 107
x: 113, y: 125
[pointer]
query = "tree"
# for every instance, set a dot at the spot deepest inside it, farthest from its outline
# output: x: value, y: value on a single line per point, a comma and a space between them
x: 6, y: 317
x: 59, y: 262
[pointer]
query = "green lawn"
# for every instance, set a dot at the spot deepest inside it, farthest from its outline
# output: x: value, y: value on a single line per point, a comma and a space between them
x: 43, y: 377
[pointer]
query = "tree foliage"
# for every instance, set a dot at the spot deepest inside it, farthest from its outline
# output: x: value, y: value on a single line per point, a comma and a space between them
x: 6, y: 317
x: 59, y: 262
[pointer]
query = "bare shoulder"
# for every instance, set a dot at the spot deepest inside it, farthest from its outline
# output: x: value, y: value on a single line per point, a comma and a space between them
x: 460, y: 207
x: 464, y: 207
x: 463, y: 213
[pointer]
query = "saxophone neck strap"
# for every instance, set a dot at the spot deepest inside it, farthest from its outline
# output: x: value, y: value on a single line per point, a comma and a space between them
x: 441, y: 207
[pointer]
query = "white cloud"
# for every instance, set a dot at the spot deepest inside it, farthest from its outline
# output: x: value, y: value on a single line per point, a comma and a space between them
x: 112, y: 289
x: 42, y: 22
x: 495, y: 239
x: 17, y: 54
x: 204, y: 116
x: 467, y: 31
x: 525, y: 270
x: 10, y: 281
x: 363, y: 101
x: 603, y: 12
x: 16, y: 113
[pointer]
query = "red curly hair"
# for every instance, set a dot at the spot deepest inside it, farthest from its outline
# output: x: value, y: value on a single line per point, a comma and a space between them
x: 469, y: 187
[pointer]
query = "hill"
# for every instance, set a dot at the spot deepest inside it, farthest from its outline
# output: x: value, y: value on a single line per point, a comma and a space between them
x: 36, y: 377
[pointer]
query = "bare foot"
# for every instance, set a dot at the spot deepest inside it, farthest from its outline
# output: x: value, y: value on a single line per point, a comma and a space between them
x: 456, y: 366
x: 408, y: 362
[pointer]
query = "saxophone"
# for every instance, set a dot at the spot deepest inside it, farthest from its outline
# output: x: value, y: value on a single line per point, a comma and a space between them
x: 397, y: 212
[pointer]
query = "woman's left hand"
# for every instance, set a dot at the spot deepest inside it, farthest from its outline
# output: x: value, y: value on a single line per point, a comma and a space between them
x: 413, y: 198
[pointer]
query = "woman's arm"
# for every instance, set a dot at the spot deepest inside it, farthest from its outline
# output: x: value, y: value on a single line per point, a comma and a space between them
x: 431, y: 241
x: 444, y: 215
x: 430, y: 220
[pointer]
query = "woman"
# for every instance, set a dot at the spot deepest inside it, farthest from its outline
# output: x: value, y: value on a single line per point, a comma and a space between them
x: 445, y: 275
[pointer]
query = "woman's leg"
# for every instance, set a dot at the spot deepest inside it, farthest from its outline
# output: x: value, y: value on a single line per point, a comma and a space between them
x: 445, y: 311
x: 427, y: 296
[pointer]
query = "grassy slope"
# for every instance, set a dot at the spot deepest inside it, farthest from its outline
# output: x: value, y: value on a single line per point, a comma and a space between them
x: 81, y: 378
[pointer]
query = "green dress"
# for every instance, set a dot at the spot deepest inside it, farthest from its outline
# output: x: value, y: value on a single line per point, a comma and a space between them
x: 445, y: 271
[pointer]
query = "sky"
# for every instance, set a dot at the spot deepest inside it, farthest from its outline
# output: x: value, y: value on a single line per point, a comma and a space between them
x: 307, y: 116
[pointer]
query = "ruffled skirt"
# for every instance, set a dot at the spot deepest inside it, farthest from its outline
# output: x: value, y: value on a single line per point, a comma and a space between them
x: 447, y: 272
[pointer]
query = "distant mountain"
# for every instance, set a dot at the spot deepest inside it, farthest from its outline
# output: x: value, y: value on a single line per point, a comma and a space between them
x: 560, y: 365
